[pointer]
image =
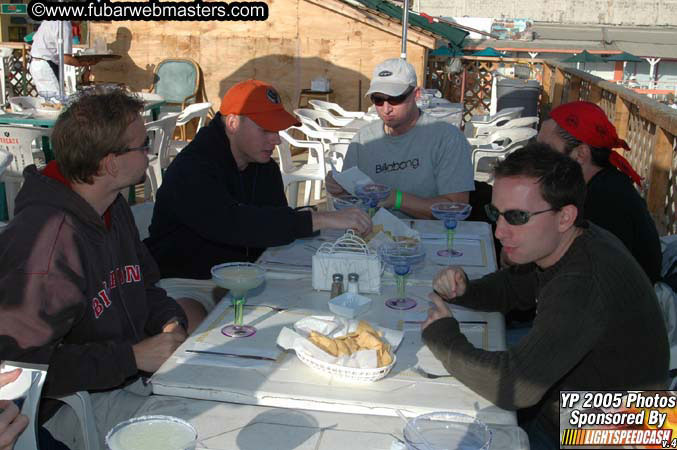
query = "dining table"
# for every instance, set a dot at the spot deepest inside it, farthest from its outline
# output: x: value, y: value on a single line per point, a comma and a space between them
x: 230, y: 388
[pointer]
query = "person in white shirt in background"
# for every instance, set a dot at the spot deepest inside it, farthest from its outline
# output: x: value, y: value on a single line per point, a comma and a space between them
x: 44, y: 66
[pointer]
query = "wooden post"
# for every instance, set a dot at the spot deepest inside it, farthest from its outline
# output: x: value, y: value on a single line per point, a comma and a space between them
x: 547, y: 86
x: 660, y: 179
x: 622, y: 117
x: 595, y: 95
x: 558, y: 88
x: 574, y: 89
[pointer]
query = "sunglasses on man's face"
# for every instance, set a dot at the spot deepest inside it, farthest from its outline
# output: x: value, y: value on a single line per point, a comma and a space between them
x: 143, y: 148
x: 512, y: 216
x: 379, y: 100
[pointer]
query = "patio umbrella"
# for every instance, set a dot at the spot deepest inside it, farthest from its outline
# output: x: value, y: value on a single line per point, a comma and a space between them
x: 445, y: 50
x: 584, y: 57
x: 489, y: 51
x: 626, y: 58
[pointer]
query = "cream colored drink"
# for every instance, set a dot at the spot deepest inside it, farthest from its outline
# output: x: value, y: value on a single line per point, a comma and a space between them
x: 153, y: 434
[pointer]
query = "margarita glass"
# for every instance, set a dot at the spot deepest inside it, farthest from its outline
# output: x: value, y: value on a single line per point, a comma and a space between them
x: 402, y: 256
x: 239, y: 278
x: 371, y: 194
x: 349, y: 201
x: 450, y: 213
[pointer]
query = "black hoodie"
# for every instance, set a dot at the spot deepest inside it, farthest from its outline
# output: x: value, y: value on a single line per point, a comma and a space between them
x: 76, y: 290
x: 207, y: 212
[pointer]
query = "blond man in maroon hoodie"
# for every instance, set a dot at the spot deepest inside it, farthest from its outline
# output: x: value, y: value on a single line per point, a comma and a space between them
x: 77, y: 289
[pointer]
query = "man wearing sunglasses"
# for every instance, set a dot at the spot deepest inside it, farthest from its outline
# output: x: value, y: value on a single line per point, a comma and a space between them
x: 597, y: 325
x: 77, y: 289
x: 423, y: 160
x: 582, y: 131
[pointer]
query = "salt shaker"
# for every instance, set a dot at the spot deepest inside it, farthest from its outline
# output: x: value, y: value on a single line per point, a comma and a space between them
x: 353, y: 283
x: 336, y: 285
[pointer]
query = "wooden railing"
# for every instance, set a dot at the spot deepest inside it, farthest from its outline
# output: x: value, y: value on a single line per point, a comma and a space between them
x: 649, y: 127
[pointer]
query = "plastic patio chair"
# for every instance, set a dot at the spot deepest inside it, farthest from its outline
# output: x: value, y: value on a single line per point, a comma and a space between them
x: 198, y: 111
x: 329, y: 106
x: 484, y: 157
x: 504, y: 137
x: 81, y: 404
x: 323, y: 118
x: 520, y: 122
x: 477, y: 122
x: 177, y: 81
x: 18, y: 141
x: 291, y: 174
x: 160, y: 132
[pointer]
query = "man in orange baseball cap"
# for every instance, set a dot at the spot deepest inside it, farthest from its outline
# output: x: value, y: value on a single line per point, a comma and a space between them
x: 582, y: 131
x: 222, y: 199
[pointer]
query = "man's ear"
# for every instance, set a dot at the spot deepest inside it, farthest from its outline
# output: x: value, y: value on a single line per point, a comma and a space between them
x: 109, y: 166
x: 581, y: 154
x: 567, y: 217
x: 232, y: 122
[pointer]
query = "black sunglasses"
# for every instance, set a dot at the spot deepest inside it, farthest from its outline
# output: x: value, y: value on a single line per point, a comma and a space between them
x: 512, y: 216
x: 394, y: 101
x: 143, y: 148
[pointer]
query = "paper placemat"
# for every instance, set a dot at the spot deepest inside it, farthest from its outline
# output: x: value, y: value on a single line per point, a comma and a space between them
x: 477, y: 334
x: 268, y: 323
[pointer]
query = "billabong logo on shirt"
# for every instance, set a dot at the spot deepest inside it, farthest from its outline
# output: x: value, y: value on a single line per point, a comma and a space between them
x: 396, y: 166
x: 117, y: 277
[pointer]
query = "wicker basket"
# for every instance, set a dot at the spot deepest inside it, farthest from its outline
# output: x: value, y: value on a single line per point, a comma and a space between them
x: 345, y: 373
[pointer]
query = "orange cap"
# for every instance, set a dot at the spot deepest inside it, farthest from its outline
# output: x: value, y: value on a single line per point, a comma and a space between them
x: 260, y: 102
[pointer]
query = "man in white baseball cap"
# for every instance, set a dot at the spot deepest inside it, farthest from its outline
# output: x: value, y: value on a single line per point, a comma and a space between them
x: 425, y: 161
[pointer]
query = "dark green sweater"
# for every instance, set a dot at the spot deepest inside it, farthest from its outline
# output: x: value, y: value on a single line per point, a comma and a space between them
x: 597, y: 327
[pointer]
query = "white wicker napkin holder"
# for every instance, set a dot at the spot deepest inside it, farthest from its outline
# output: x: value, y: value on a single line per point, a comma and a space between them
x: 349, y: 254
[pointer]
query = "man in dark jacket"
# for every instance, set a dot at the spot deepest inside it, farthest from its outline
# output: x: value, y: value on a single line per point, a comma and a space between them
x: 598, y: 325
x: 77, y: 289
x: 582, y: 131
x: 222, y: 198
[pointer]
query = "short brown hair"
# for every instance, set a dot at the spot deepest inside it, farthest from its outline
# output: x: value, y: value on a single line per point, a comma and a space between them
x: 91, y: 128
x: 560, y: 177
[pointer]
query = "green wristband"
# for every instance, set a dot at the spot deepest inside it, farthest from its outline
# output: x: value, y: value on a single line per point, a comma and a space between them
x: 398, y: 199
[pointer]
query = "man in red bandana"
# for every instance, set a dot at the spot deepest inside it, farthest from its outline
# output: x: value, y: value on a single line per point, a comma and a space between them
x: 582, y: 131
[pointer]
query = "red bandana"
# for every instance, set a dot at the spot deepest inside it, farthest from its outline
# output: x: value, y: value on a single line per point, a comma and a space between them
x: 587, y: 122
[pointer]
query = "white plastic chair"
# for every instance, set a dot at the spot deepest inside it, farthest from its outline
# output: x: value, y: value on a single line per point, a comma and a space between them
x: 498, y: 152
x: 323, y: 118
x: 161, y: 132
x: 5, y: 54
x: 520, y: 122
x: 477, y: 122
x: 143, y: 215
x: 81, y: 405
x: 195, y: 111
x: 292, y: 175
x: 329, y: 106
x: 337, y: 154
x: 504, y: 137
x: 18, y: 141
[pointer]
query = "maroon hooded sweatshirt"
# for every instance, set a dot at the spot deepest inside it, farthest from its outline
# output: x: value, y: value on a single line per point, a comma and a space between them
x: 76, y: 290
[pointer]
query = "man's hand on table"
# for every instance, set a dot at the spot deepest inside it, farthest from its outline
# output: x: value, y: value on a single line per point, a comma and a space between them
x: 11, y: 422
x: 450, y: 283
x: 152, y: 352
x: 332, y: 186
x: 175, y: 327
x: 353, y: 218
x: 438, y: 310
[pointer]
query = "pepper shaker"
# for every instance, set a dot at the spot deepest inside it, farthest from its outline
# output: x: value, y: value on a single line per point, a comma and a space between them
x: 353, y: 283
x: 336, y: 285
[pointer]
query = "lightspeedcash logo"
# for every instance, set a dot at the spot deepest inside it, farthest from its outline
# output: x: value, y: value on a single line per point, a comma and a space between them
x: 147, y: 10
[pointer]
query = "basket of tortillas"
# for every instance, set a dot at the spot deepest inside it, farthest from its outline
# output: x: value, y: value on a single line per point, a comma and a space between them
x: 351, y: 350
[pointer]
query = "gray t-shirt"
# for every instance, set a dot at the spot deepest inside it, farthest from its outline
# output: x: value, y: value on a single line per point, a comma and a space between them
x: 431, y: 159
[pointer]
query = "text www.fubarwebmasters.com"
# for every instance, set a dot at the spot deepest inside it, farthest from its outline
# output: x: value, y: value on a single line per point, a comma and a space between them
x: 148, y: 10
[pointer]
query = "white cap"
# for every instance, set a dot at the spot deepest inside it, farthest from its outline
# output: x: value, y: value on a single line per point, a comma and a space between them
x: 392, y: 77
